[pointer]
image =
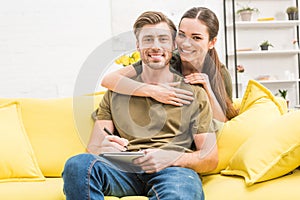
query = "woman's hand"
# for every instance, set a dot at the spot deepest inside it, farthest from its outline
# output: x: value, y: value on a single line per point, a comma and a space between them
x: 199, y: 78
x: 169, y: 94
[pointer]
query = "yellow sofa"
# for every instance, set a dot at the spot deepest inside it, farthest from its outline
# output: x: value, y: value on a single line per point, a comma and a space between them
x: 41, y: 134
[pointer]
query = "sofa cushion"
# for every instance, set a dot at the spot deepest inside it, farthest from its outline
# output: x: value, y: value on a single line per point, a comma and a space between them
x: 219, y: 187
x: 51, y: 189
x: 57, y: 128
x: 258, y: 107
x: 270, y: 153
x: 17, y: 159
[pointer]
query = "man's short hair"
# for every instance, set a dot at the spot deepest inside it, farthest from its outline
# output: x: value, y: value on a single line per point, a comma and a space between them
x: 153, y: 17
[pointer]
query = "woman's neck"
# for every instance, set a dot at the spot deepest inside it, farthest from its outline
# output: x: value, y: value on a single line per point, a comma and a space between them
x: 188, y: 68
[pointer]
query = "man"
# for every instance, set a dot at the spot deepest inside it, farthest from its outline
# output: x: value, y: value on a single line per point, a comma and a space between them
x: 177, y: 142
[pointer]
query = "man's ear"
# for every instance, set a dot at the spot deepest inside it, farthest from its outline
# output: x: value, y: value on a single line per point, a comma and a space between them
x: 212, y: 43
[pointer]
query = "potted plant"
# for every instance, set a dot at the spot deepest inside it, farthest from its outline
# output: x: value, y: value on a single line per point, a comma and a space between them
x: 246, y: 12
x: 265, y: 45
x: 283, y: 94
x: 292, y: 13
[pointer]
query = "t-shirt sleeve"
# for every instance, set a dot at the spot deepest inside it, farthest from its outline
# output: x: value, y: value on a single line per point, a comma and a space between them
x: 204, y: 119
x: 103, y: 112
x: 138, y: 67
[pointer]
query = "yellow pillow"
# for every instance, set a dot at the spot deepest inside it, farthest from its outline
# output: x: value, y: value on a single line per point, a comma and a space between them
x: 258, y: 107
x: 17, y: 159
x: 57, y: 128
x: 270, y: 153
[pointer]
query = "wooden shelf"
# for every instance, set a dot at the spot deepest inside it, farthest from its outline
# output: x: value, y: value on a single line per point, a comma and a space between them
x: 279, y: 81
x: 274, y: 81
x: 269, y: 52
x: 265, y: 24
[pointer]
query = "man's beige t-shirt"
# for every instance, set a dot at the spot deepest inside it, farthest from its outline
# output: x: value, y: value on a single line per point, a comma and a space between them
x: 147, y: 123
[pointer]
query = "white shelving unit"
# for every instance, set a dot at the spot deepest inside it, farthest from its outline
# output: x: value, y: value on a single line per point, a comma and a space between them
x: 276, y: 68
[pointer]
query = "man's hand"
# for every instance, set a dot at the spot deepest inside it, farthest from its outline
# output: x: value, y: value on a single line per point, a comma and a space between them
x: 101, y: 142
x: 157, y: 159
x: 110, y: 143
x: 169, y: 94
x: 113, y: 143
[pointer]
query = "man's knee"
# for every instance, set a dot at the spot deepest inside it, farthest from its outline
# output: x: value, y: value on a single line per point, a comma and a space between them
x: 178, y: 183
x: 189, y: 186
x: 77, y: 164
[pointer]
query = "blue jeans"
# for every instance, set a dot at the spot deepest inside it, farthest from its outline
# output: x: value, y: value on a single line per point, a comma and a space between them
x: 91, y: 177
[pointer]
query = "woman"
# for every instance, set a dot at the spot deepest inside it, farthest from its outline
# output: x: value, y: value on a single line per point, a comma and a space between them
x: 197, y: 60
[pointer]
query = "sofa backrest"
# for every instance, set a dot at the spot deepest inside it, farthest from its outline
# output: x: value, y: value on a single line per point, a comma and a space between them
x: 57, y: 128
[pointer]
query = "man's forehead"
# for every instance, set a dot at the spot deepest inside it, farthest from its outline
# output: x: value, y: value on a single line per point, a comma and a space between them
x: 155, y: 29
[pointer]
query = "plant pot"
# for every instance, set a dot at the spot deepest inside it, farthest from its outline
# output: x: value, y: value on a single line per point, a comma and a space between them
x: 293, y: 16
x: 246, y: 15
x: 264, y: 47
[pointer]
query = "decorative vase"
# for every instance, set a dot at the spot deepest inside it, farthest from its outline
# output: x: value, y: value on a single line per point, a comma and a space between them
x: 293, y: 16
x: 264, y: 47
x: 246, y: 15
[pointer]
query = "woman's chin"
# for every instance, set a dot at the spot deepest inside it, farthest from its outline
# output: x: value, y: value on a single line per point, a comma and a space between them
x: 187, y: 58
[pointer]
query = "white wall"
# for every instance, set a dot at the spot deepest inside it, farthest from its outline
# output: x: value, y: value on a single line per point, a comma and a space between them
x: 43, y: 44
x: 122, y: 20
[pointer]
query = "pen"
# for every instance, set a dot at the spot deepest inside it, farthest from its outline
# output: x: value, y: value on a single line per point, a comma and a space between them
x: 110, y: 133
x: 107, y: 131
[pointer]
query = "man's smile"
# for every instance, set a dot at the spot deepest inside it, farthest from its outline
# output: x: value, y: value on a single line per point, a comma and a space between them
x: 156, y: 56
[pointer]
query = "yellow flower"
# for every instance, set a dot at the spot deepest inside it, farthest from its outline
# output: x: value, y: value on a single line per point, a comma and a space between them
x: 126, y: 60
x: 118, y: 61
x: 136, y: 56
x: 131, y: 61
